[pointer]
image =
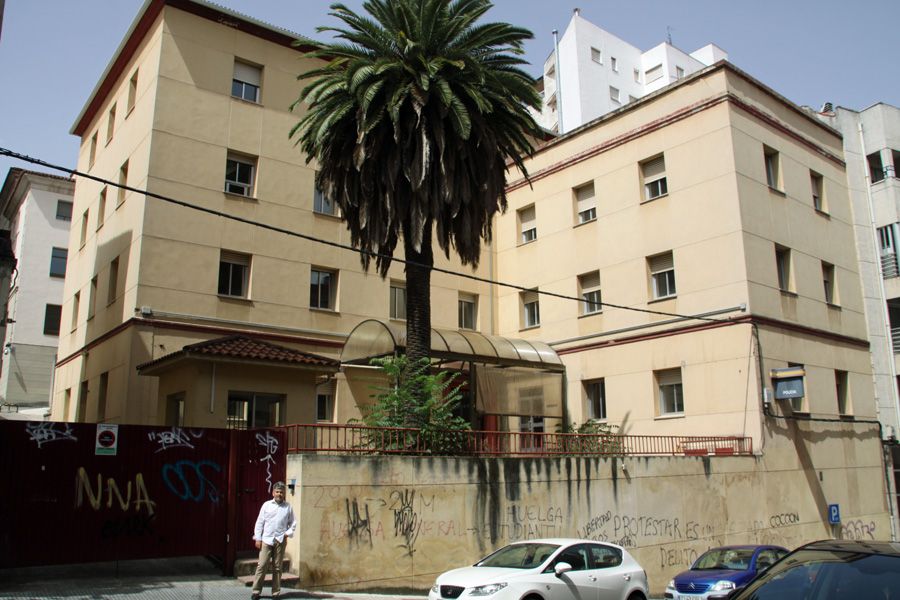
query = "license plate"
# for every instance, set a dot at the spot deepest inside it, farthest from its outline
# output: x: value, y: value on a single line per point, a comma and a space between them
x: 683, y: 597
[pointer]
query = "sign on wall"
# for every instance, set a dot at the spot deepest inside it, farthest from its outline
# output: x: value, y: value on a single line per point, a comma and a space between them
x: 788, y: 383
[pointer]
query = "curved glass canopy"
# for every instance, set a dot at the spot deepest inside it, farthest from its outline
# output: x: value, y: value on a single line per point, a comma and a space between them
x: 372, y: 338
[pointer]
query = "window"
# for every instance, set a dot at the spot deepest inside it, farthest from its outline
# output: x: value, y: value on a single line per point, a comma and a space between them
x: 245, y: 82
x: 123, y: 181
x: 67, y: 401
x: 653, y: 74
x: 58, y: 257
x: 818, y: 188
x: 80, y: 408
x: 614, y: 64
x: 101, y: 208
x: 93, y: 152
x: 654, y: 172
x: 637, y: 76
x: 92, y: 298
x: 889, y: 266
x: 841, y: 386
x: 132, y: 94
x: 52, y: 317
x: 671, y: 394
x: 590, y: 292
x: 111, y: 123
x: 576, y: 556
x: 829, y: 282
x: 679, y: 73
x: 321, y: 289
x: 531, y: 399
x: 467, y: 306
x: 528, y: 224
x: 894, y: 167
x: 772, y: 170
x: 585, y: 203
x: 662, y: 275
x: 325, y: 402
x: 783, y: 264
x: 234, y: 274
x: 175, y: 410
x: 398, y: 300
x: 531, y: 310
x: 614, y: 93
x: 886, y: 239
x: 596, y: 56
x: 876, y: 167
x: 101, y: 396
x: 595, y: 391
x: 84, y: 227
x: 76, y: 305
x: 63, y: 210
x: 113, y: 281
x: 239, y: 175
x: 247, y: 410
x: 322, y: 204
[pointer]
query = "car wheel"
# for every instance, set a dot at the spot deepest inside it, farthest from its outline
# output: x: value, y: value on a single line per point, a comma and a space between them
x: 636, y: 596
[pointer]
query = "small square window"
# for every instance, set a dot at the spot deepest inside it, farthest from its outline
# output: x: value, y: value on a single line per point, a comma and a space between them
x: 590, y: 293
x: 614, y: 64
x: 585, y: 203
x: 637, y: 76
x: 817, y: 183
x: 132, y: 93
x: 325, y: 403
x: 246, y: 81
x: 531, y: 309
x: 398, y: 300
x: 467, y: 310
x: 653, y: 74
x: 842, y: 388
x: 671, y: 392
x: 63, y: 210
x: 596, y: 56
x: 234, y: 274
x: 123, y: 181
x: 773, y: 175
x: 58, y: 257
x: 595, y: 391
x: 614, y: 94
x: 322, y: 286
x: 322, y: 204
x: 679, y: 73
x: 876, y: 167
x: 239, y: 173
x: 528, y: 224
x: 783, y: 265
x: 829, y: 282
x: 654, y: 175
x: 662, y: 275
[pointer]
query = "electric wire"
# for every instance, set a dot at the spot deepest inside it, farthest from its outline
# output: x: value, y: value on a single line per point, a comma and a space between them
x: 288, y: 232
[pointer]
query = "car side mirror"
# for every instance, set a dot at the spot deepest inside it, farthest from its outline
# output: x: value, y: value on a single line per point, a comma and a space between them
x: 561, y: 568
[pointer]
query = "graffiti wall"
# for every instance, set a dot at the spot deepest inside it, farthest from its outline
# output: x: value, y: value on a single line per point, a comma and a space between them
x: 395, y: 523
x: 74, y: 492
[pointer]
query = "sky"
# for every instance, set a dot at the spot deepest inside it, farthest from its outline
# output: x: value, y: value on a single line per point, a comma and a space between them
x: 52, y: 52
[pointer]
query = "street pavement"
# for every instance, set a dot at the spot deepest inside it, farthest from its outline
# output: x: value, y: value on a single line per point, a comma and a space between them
x: 187, y: 578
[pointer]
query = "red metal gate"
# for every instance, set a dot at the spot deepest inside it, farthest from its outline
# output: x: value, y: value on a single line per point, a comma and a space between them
x: 78, y: 492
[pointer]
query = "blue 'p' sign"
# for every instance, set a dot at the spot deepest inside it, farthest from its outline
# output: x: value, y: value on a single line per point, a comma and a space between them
x: 834, y: 513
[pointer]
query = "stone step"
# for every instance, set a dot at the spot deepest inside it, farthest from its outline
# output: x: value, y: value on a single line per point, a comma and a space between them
x: 288, y: 580
x: 247, y: 566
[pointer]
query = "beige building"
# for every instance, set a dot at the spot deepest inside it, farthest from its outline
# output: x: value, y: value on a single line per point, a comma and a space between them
x: 194, y: 106
x: 673, y: 253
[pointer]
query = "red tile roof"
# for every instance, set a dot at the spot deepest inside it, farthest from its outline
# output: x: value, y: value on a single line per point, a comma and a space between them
x: 247, y: 348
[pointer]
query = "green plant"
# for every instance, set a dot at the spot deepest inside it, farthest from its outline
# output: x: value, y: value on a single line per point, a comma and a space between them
x: 591, y: 438
x: 412, y: 398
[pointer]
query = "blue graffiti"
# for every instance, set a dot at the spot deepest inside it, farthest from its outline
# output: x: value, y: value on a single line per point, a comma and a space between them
x: 186, y: 469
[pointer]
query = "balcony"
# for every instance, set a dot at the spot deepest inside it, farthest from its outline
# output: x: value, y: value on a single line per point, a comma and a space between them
x: 360, y: 439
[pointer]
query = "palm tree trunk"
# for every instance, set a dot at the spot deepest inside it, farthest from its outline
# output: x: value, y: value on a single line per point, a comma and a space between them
x: 418, y: 297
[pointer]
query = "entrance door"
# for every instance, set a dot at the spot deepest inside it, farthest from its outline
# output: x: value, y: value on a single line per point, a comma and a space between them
x: 532, y: 425
x: 262, y: 463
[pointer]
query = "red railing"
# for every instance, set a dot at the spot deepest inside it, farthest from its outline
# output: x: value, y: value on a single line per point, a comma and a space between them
x: 341, y: 439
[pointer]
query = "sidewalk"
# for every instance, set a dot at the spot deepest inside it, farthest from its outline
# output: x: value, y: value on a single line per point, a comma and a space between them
x: 187, y: 578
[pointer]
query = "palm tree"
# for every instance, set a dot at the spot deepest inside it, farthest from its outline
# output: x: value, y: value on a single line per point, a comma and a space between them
x: 412, y: 122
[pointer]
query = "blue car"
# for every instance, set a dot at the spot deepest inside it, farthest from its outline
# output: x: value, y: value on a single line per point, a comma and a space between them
x: 720, y: 571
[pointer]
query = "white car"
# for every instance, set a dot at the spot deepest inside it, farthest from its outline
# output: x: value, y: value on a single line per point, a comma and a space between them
x: 550, y: 569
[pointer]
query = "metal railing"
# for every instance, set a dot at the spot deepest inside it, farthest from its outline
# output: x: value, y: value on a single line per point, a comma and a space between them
x: 889, y: 267
x: 344, y: 439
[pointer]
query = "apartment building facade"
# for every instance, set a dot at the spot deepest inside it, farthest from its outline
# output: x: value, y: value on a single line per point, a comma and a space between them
x: 37, y: 210
x: 595, y: 72
x: 233, y: 318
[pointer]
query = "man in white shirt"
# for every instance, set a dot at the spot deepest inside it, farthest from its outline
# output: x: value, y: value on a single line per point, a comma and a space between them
x: 275, y: 524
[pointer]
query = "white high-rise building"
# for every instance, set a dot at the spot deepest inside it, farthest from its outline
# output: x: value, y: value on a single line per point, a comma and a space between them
x: 596, y: 73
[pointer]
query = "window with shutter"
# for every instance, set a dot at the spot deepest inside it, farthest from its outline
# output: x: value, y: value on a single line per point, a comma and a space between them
x: 325, y: 402
x: 234, y: 274
x: 467, y: 304
x: 528, y: 224
x: 398, y: 300
x: 662, y: 275
x: 585, y: 200
x: 654, y: 172
x: 531, y: 309
x: 246, y: 81
x: 671, y: 393
x: 239, y: 171
x: 590, y: 292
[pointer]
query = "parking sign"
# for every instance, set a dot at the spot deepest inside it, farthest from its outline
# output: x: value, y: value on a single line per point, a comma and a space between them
x: 834, y: 513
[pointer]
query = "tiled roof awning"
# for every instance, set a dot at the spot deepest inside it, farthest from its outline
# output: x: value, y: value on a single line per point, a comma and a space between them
x: 241, y: 348
x: 371, y: 339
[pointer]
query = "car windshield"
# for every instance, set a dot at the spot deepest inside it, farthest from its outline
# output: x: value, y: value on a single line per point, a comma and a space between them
x: 519, y: 556
x: 735, y: 559
x: 829, y: 575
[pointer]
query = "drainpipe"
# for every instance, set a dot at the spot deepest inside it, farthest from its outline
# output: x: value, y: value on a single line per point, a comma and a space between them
x: 887, y: 322
x: 212, y: 390
x: 559, y: 106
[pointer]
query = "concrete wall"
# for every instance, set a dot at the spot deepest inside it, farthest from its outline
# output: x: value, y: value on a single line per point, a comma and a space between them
x: 395, y: 523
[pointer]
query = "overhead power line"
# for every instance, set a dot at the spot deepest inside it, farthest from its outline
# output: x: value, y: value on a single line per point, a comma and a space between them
x: 37, y: 161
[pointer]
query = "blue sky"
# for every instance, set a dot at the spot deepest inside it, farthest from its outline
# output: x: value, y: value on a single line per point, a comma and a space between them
x: 52, y: 52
